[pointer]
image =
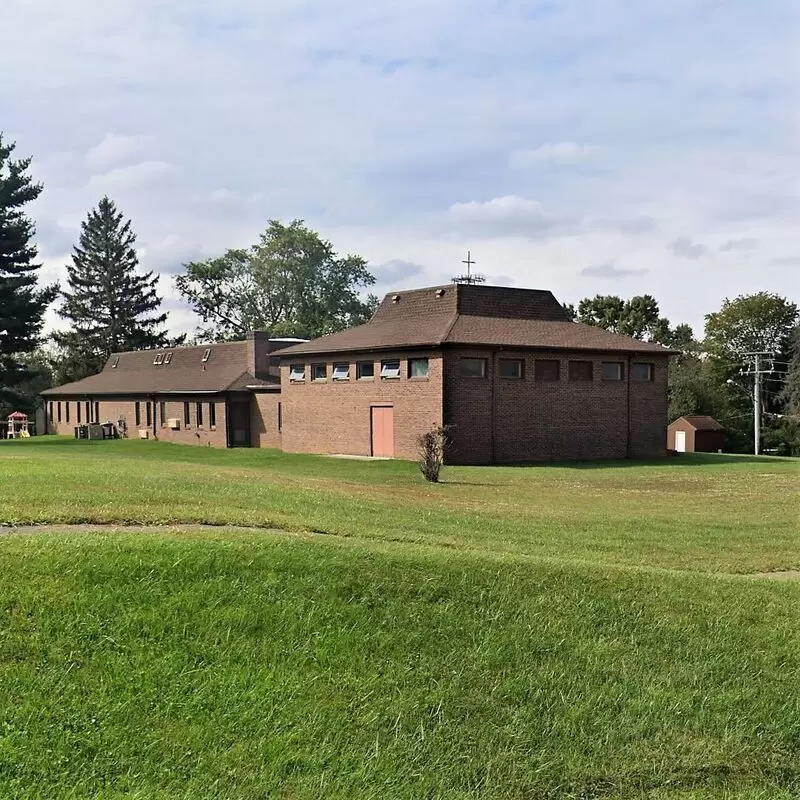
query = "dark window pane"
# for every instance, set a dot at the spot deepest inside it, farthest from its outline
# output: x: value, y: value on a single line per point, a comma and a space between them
x: 472, y: 367
x: 137, y: 411
x: 642, y: 372
x: 612, y: 371
x: 187, y: 414
x: 365, y: 370
x: 319, y: 372
x: 547, y: 370
x: 511, y: 368
x: 199, y: 412
x: 212, y: 414
x: 580, y: 370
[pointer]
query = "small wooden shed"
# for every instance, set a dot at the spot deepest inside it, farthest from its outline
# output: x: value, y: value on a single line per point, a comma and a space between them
x: 695, y: 434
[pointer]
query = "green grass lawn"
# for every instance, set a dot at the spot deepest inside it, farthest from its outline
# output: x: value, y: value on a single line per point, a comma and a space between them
x: 541, y: 632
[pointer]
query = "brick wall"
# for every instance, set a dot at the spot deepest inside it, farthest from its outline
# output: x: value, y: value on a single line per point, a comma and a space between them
x: 335, y: 417
x: 111, y: 409
x: 193, y: 433
x: 505, y: 420
x: 264, y: 419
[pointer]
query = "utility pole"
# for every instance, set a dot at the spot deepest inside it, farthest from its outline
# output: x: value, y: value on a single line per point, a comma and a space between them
x: 758, y: 372
x: 757, y: 404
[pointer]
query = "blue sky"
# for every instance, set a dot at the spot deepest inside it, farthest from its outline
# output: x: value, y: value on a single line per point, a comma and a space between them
x: 594, y: 146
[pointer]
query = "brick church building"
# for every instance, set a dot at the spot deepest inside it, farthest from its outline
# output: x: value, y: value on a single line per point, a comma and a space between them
x: 517, y: 380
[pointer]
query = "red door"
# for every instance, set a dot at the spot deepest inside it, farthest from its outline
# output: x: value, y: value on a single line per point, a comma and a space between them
x: 383, y: 431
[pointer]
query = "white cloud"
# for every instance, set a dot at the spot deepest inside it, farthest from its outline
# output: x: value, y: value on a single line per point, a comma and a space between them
x: 551, y: 153
x: 388, y: 127
x: 508, y: 215
x: 611, y: 271
x: 115, y: 150
x: 136, y: 176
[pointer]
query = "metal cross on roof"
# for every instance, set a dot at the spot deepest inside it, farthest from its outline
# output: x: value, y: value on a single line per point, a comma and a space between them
x: 469, y: 277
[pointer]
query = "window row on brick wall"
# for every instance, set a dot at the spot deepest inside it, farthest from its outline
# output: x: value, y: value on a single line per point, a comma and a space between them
x: 388, y: 369
x: 550, y: 370
x: 85, y: 411
x: 144, y: 411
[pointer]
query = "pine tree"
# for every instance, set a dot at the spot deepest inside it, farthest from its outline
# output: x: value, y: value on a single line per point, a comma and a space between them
x: 22, y: 304
x: 111, y: 306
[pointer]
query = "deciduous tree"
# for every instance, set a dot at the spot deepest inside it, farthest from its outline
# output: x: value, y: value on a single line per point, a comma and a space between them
x: 790, y: 395
x: 291, y: 283
x: 752, y: 323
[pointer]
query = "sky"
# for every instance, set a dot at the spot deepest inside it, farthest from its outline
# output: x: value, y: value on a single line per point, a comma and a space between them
x: 583, y: 146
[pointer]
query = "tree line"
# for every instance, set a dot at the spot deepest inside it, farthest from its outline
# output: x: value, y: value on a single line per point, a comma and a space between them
x: 293, y: 282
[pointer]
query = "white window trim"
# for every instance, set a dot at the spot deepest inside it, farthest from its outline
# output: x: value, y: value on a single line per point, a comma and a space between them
x: 340, y: 368
x: 296, y: 376
x: 314, y: 378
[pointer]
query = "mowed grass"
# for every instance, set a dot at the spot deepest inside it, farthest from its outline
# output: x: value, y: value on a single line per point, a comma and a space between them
x: 708, y: 513
x: 540, y: 632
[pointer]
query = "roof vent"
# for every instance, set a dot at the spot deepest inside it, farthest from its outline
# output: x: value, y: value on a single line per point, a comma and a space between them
x: 206, y: 354
x: 395, y: 298
x: 440, y: 292
x: 167, y: 357
x: 116, y: 363
x: 159, y: 359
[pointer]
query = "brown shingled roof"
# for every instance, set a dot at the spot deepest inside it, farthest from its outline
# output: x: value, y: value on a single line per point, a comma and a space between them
x: 703, y: 423
x: 135, y: 373
x: 472, y: 315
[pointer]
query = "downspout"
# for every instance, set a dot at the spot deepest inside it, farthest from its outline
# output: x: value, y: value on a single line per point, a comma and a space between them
x: 628, y: 415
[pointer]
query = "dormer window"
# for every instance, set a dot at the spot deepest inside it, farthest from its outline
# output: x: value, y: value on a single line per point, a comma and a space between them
x: 206, y: 354
x: 159, y: 359
x: 167, y: 357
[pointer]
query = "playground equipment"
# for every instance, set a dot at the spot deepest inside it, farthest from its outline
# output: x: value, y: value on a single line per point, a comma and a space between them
x: 18, y: 425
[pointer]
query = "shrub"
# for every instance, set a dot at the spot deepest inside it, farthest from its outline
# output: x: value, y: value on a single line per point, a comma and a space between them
x: 431, y: 451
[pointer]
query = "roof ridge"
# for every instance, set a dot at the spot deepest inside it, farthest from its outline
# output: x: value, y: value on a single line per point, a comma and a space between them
x: 450, y: 326
x: 176, y: 347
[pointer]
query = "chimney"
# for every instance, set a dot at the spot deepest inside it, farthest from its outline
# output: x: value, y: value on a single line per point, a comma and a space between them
x: 258, y: 354
x: 260, y: 359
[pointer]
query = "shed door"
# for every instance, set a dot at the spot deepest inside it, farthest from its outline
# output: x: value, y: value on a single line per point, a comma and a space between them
x: 383, y: 431
x: 680, y: 441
